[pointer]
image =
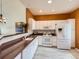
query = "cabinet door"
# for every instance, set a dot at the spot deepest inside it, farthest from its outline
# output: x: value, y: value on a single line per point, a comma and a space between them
x: 34, y: 47
x: 39, y: 38
x: 54, y: 41
x: 29, y: 51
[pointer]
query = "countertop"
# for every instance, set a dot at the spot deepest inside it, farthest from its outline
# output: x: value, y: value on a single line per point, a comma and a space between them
x: 15, y: 49
x: 4, y: 39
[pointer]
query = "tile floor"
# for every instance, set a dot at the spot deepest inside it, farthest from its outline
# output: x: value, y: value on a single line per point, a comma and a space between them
x: 54, y: 53
x: 75, y: 53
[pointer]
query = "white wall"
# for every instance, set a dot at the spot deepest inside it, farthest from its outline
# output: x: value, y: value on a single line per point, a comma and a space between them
x: 13, y: 11
x: 0, y: 6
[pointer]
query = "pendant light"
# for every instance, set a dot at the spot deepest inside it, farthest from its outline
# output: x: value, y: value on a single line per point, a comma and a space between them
x: 49, y: 1
x: 2, y: 19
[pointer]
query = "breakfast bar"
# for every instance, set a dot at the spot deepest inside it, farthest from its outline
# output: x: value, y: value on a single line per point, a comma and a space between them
x: 17, y: 46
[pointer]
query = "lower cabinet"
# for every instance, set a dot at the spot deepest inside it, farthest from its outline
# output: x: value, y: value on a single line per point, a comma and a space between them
x: 54, y: 41
x: 29, y: 51
x: 40, y: 38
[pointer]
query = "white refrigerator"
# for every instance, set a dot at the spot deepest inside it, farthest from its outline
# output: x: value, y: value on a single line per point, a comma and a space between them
x: 64, y: 36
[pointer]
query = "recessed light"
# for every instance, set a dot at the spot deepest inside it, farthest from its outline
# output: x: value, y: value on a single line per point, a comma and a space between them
x: 40, y: 11
x: 70, y: 0
x: 49, y: 1
x: 53, y: 10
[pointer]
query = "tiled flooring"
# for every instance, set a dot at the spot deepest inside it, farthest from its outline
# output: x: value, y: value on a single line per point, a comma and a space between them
x: 54, y: 53
x: 75, y: 53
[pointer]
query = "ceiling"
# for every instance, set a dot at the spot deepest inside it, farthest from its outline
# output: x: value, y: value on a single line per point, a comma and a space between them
x: 42, y: 7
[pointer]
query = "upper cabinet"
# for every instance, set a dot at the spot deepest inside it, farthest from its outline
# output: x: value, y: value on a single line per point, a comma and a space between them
x: 31, y: 24
x: 47, y: 25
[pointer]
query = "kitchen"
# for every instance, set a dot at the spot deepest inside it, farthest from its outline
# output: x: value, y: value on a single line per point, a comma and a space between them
x: 46, y: 30
x: 52, y: 28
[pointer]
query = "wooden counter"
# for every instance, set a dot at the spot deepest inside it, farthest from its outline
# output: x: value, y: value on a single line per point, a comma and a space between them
x: 11, y: 49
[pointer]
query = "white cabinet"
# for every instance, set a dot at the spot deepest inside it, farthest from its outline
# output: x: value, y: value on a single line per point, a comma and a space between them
x: 18, y: 56
x: 39, y: 40
x: 54, y: 41
x: 31, y: 24
x: 45, y: 25
x: 29, y: 51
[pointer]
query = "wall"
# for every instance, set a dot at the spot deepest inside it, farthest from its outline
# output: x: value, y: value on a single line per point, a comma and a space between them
x: 73, y: 15
x: 29, y: 16
x: 0, y: 6
x: 76, y: 16
x: 13, y: 11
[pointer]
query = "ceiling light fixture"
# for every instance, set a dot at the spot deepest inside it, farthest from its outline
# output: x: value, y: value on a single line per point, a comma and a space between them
x: 49, y: 1
x: 53, y: 10
x: 2, y: 19
x: 70, y: 0
x: 40, y: 11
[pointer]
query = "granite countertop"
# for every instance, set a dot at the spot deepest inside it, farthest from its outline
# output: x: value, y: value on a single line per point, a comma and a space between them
x: 4, y: 39
x: 15, y: 49
x: 8, y: 35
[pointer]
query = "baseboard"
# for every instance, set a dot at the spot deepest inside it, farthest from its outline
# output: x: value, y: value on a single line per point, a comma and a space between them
x: 54, y: 46
x: 48, y: 46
